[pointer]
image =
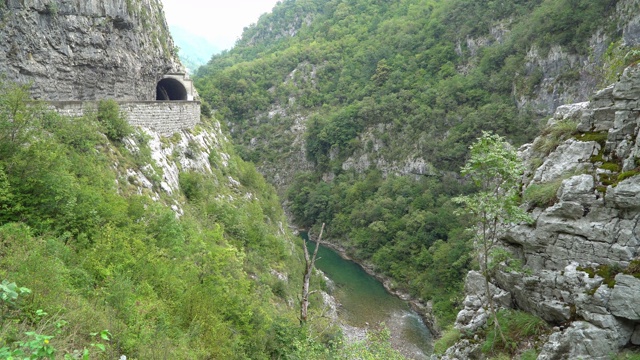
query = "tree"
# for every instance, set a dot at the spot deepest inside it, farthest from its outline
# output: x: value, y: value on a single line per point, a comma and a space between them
x: 20, y: 118
x: 495, y: 169
x: 308, y: 269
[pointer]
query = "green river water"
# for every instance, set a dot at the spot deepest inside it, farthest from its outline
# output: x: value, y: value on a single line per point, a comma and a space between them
x: 364, y: 302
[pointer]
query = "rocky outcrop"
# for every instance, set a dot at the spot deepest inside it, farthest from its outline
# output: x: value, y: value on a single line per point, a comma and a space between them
x: 86, y: 49
x: 565, y: 76
x: 582, y: 251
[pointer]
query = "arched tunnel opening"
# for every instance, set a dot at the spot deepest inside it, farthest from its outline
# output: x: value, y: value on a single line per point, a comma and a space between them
x: 170, y: 89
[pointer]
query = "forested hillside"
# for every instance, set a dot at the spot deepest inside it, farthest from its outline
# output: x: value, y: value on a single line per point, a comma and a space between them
x: 102, y: 255
x: 362, y: 111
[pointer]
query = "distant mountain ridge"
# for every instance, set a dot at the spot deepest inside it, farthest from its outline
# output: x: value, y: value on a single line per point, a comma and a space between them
x: 195, y: 50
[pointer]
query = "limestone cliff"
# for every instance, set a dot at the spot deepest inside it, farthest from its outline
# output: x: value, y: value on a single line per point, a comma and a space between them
x: 582, y: 250
x: 86, y: 49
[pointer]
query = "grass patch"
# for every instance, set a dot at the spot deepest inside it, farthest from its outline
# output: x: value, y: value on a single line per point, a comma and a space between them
x: 633, y: 269
x: 530, y: 354
x: 599, y: 137
x: 449, y: 337
x: 554, y: 135
x: 607, y: 272
x: 628, y: 355
x: 607, y: 179
x: 627, y: 174
x: 611, y: 166
x: 542, y: 195
x: 517, y: 326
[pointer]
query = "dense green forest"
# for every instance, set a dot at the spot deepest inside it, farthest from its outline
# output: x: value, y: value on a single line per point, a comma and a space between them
x: 391, y: 81
x: 94, y: 266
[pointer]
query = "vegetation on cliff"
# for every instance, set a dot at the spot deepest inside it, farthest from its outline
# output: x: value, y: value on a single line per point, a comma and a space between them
x: 378, y: 84
x: 92, y: 262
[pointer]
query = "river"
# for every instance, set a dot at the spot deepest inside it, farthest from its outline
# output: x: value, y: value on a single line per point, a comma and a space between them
x: 364, y: 302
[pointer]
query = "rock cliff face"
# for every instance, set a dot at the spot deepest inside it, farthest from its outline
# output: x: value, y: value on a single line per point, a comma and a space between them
x: 568, y: 77
x: 86, y: 49
x: 582, y: 249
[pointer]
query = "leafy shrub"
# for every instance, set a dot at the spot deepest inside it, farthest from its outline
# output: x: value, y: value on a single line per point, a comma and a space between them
x: 191, y: 184
x: 81, y: 133
x: 205, y: 109
x: 113, y: 122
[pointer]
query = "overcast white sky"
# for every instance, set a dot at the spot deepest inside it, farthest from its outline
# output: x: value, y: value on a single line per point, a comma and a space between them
x: 220, y: 21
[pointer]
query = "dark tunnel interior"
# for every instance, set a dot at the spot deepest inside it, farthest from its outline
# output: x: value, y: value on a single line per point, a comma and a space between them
x: 170, y: 89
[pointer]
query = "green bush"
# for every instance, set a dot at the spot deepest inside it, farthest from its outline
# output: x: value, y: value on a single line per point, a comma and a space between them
x: 113, y: 122
x: 192, y: 185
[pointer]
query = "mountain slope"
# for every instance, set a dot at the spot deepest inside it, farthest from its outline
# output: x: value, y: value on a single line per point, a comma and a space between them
x: 175, y: 246
x: 361, y: 111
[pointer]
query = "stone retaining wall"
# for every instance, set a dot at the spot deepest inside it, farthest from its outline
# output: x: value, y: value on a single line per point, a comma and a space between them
x: 164, y: 117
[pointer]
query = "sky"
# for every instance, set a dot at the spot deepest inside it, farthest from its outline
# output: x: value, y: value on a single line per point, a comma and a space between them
x: 219, y: 21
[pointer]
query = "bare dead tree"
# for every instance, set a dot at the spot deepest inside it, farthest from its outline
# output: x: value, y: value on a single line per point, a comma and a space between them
x: 309, y: 263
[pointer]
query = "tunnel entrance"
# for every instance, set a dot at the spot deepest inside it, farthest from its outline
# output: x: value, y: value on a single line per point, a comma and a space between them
x: 170, y: 89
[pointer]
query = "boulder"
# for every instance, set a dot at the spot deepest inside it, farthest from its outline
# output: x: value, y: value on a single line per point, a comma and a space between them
x: 578, y: 188
x: 628, y: 88
x: 624, y: 297
x: 626, y: 195
x: 571, y: 156
x: 581, y: 340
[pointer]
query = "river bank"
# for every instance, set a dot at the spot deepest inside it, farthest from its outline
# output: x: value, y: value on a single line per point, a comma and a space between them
x: 421, y: 308
x: 359, y: 303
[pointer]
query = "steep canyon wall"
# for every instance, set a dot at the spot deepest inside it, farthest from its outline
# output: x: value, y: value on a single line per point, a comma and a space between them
x: 86, y: 49
x: 582, y: 251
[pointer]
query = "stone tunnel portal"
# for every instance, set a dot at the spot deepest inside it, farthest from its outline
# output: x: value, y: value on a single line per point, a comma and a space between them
x: 170, y: 89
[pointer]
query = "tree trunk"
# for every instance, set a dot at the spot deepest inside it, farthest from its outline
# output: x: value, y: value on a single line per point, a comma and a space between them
x: 309, y: 263
x: 487, y: 288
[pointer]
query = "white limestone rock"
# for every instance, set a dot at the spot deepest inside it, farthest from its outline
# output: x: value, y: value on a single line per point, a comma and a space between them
x: 571, y: 156
x: 628, y: 87
x: 624, y: 297
x: 577, y: 188
x: 581, y: 340
x: 626, y: 195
